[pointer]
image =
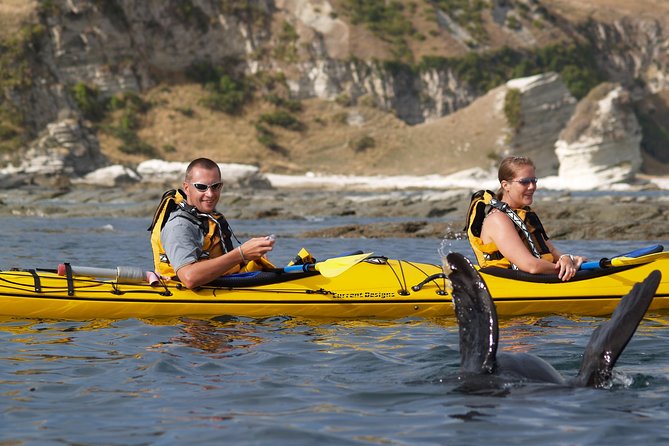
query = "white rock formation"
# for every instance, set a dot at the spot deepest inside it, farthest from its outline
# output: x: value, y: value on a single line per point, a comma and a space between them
x: 601, y: 143
x: 110, y: 176
x: 546, y: 107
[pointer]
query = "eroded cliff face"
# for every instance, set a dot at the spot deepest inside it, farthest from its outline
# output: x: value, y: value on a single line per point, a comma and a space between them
x: 601, y: 142
x: 633, y: 52
x: 545, y: 107
x: 134, y: 45
x: 131, y: 45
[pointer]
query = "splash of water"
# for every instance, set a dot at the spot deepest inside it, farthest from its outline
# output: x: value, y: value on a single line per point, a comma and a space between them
x: 445, y: 247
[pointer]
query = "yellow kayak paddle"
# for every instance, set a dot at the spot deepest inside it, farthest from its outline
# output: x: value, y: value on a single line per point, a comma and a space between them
x: 330, y: 267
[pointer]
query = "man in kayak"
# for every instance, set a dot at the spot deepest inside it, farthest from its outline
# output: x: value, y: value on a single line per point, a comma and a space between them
x: 504, y: 231
x: 191, y: 240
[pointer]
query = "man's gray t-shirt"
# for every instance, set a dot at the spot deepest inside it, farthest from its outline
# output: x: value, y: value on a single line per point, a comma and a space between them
x: 182, y: 237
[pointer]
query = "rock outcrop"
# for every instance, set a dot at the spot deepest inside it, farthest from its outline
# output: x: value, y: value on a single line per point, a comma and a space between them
x: 600, y: 145
x: 65, y: 147
x: 545, y: 108
x: 110, y: 176
x: 632, y: 50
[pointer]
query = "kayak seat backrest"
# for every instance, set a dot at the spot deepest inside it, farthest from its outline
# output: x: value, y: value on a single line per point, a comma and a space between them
x: 522, y: 276
x: 257, y: 278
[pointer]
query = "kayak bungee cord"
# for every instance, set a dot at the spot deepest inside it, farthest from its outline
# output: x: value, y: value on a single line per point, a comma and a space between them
x: 430, y: 278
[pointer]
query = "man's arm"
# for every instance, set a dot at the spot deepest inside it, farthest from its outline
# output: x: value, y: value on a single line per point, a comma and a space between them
x: 200, y: 273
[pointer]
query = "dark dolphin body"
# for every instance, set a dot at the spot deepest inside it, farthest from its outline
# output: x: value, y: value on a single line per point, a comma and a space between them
x: 479, y: 332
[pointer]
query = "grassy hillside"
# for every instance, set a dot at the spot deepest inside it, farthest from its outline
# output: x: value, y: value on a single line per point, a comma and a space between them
x: 253, y: 119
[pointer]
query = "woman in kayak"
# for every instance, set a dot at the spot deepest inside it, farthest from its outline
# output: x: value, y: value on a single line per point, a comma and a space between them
x: 504, y: 231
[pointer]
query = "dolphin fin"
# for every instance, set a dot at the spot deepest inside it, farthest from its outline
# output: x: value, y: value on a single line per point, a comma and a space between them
x: 609, y: 339
x: 477, y: 317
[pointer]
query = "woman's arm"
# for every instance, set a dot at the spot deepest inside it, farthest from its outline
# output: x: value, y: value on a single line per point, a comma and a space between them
x: 498, y: 228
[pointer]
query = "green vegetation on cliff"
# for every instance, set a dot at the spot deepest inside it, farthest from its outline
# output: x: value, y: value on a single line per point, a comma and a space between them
x: 393, y: 21
x: 467, y: 14
x: 386, y: 20
x: 16, y: 54
x: 484, y: 71
x: 119, y: 116
x: 513, y: 109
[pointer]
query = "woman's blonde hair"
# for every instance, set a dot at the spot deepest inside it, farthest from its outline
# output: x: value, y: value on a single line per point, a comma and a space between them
x: 508, y: 168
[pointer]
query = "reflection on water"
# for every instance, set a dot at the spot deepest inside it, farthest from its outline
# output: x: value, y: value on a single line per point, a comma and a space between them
x: 215, y: 337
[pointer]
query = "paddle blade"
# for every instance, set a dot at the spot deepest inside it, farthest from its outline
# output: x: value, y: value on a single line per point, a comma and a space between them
x: 643, y: 254
x: 337, y: 265
x: 624, y: 261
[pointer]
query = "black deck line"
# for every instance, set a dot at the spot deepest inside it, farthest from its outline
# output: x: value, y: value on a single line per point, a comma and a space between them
x: 562, y: 298
x: 167, y: 299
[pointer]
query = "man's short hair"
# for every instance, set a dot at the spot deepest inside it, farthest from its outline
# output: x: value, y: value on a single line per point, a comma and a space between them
x: 204, y: 163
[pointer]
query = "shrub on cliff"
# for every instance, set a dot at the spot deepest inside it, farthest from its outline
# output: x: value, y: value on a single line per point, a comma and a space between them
x: 88, y: 99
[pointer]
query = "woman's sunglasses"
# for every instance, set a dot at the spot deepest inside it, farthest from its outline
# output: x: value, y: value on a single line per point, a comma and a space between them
x: 203, y: 187
x: 526, y: 181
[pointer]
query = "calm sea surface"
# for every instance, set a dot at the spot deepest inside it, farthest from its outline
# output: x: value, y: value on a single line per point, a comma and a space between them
x: 296, y: 381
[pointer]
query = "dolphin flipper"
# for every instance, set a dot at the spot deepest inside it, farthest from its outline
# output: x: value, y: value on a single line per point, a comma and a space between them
x: 477, y: 317
x: 609, y: 339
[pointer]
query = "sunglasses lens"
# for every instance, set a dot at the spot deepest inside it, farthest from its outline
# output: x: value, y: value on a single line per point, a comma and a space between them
x: 203, y: 187
x: 527, y: 181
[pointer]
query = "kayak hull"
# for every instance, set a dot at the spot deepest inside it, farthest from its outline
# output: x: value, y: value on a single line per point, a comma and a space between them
x: 378, y: 288
x: 368, y: 290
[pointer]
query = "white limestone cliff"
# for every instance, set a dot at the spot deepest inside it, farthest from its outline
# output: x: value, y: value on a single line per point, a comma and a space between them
x: 546, y: 106
x: 601, y: 143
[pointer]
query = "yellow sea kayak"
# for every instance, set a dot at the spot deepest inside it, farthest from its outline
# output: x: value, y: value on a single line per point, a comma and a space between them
x: 375, y: 287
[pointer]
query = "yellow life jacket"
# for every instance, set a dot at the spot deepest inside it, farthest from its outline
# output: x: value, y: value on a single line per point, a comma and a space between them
x: 527, y: 223
x: 217, y: 232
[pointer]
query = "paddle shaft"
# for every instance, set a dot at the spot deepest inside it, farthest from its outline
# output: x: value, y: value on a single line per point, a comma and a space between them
x: 127, y: 273
x: 330, y: 267
x: 299, y: 268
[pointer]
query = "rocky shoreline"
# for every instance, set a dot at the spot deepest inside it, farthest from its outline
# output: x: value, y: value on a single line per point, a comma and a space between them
x: 416, y: 213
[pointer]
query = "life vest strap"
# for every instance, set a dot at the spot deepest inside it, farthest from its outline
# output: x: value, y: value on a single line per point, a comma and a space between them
x: 515, y: 218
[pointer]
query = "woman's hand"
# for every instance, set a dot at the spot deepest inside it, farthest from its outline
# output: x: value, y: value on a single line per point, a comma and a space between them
x: 567, y: 265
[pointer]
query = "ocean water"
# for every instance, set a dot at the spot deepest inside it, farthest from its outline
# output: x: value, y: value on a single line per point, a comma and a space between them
x: 297, y: 381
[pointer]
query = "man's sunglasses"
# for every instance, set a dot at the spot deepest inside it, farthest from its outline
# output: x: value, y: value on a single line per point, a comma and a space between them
x: 203, y: 187
x: 526, y: 181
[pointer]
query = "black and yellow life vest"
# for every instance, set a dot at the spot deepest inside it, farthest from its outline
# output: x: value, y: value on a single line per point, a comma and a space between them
x: 527, y: 223
x: 216, y: 230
